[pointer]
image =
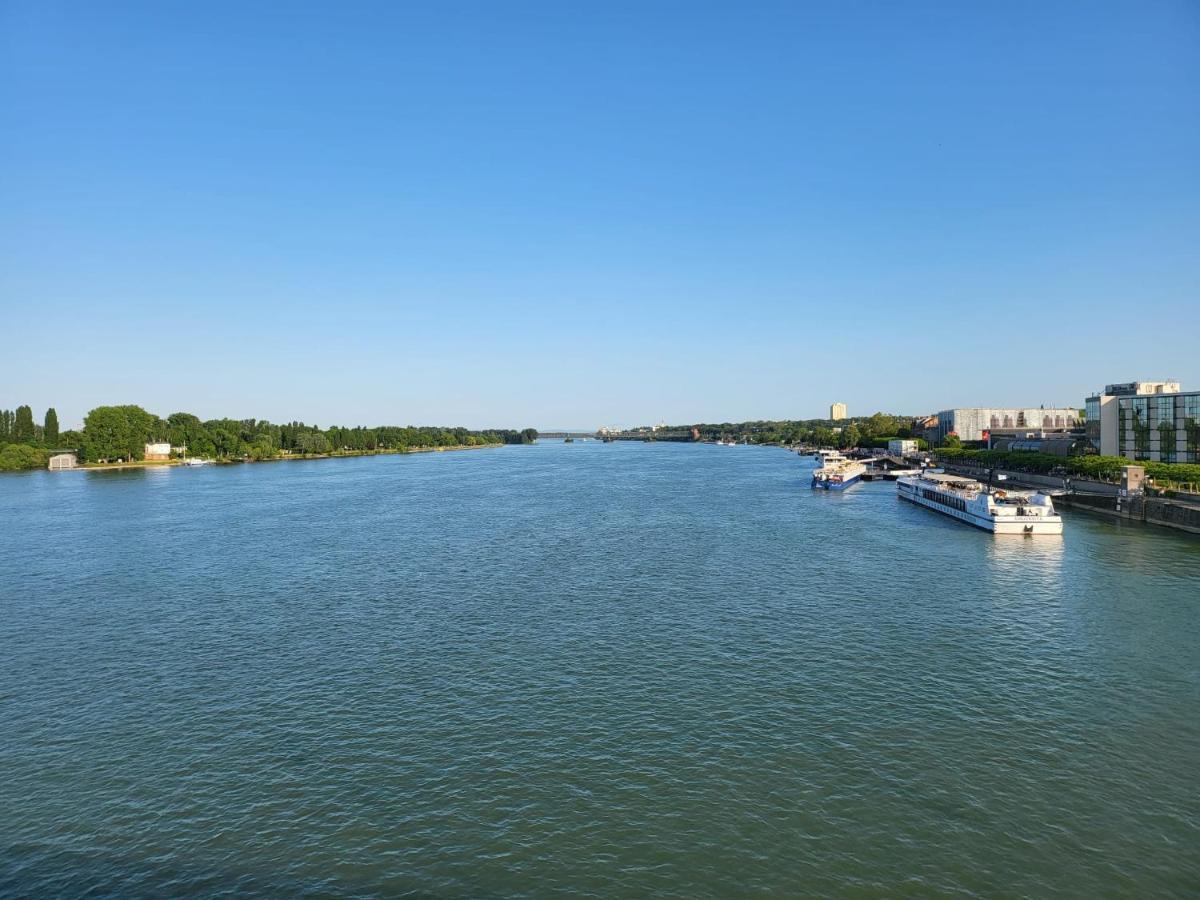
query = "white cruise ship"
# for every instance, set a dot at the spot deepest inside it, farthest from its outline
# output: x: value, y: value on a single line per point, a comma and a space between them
x: 997, y: 511
x: 835, y: 472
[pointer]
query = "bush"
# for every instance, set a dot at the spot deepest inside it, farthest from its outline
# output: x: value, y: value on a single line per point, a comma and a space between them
x: 19, y: 457
x: 1102, y: 468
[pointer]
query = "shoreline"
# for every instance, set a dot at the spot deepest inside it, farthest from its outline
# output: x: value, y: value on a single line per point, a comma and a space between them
x: 343, y: 454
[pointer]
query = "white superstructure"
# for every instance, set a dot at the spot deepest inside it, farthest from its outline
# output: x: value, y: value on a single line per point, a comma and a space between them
x: 997, y: 511
x: 834, y: 472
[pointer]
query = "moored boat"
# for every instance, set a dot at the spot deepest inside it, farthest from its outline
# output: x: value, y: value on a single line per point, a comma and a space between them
x: 997, y: 511
x: 835, y: 472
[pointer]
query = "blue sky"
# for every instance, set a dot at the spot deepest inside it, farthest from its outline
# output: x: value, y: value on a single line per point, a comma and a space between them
x: 569, y: 214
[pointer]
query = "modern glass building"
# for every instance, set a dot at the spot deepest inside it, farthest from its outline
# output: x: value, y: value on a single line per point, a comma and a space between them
x: 1145, y: 420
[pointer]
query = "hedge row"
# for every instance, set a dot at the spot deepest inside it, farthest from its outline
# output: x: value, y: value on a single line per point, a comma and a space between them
x: 17, y: 457
x: 1104, y: 468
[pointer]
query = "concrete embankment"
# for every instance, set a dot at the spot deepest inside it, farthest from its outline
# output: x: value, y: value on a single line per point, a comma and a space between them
x: 1100, y: 497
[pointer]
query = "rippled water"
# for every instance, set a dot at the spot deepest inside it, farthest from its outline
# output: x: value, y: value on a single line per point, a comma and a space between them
x: 613, y: 670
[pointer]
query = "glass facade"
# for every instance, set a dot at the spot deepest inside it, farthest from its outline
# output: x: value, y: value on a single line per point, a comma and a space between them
x: 1140, y: 427
x: 1164, y: 410
x: 1092, y: 414
x: 1164, y: 426
x: 1191, y: 425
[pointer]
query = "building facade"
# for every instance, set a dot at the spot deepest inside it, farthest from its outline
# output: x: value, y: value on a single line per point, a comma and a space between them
x: 1145, y: 420
x: 837, y: 411
x: 157, y: 451
x: 61, y: 461
x: 974, y: 424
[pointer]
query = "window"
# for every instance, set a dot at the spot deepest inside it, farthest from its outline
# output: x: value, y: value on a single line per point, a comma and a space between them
x: 1191, y: 427
x: 1165, y: 409
x: 1021, y: 419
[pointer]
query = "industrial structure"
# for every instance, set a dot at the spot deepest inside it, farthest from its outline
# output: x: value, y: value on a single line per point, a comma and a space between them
x: 976, y: 423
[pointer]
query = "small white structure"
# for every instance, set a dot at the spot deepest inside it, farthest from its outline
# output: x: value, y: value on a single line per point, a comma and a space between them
x: 902, y: 446
x: 61, y: 461
x: 158, y: 451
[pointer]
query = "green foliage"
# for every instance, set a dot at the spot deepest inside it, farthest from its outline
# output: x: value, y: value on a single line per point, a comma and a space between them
x: 951, y: 441
x: 803, y: 431
x: 6, y: 425
x: 23, y: 431
x: 18, y: 457
x: 119, y: 432
x: 50, y: 428
x: 1100, y: 468
x: 312, y: 442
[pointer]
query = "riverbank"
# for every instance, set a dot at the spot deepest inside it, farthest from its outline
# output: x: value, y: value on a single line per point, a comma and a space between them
x: 340, y: 454
x: 1098, y: 497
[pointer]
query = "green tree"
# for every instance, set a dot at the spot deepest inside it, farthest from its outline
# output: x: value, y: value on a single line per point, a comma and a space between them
x: 16, y: 457
x: 50, y: 428
x: 312, y: 442
x: 849, y: 437
x: 6, y: 423
x: 951, y: 441
x: 186, y: 430
x: 118, y: 432
x: 23, y: 431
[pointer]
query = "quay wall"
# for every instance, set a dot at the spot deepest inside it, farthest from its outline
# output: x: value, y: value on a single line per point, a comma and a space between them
x: 1104, y: 498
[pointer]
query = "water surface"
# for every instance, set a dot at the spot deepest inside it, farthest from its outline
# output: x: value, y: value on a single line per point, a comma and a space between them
x: 610, y: 669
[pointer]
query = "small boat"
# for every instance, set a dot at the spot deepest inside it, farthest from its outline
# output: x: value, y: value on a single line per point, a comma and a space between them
x: 197, y: 462
x: 836, y: 472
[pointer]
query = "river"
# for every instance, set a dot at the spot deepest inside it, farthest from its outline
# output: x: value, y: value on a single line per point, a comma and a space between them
x: 610, y: 669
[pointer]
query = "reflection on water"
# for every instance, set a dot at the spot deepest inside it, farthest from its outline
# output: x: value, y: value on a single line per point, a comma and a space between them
x: 1036, y: 556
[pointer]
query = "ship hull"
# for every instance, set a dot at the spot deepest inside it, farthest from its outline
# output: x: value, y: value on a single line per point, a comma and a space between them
x: 827, y: 485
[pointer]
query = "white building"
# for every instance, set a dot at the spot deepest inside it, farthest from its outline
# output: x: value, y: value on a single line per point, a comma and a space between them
x: 901, y: 446
x: 837, y: 411
x: 157, y: 451
x: 61, y: 461
x: 970, y: 423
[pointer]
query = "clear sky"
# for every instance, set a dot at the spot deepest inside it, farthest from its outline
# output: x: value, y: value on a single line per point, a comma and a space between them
x: 579, y: 213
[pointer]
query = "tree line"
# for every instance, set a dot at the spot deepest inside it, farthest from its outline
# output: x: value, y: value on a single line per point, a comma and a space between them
x: 23, y: 443
x: 859, y: 431
x: 112, y: 433
x: 1101, y: 468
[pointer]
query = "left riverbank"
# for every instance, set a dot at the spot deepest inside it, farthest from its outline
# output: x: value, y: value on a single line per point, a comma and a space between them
x: 341, y: 454
x: 116, y: 437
